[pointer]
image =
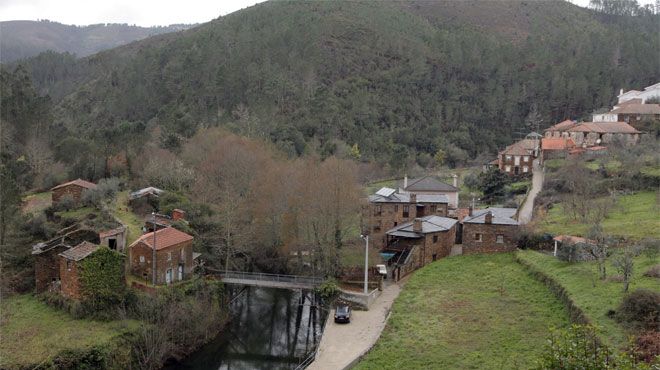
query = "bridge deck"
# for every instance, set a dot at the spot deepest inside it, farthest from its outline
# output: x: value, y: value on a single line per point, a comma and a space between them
x: 270, y: 280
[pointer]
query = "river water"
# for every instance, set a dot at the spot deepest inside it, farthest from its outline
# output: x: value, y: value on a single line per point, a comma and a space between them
x: 270, y: 329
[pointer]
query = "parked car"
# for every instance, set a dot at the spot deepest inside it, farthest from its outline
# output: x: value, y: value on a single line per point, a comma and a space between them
x: 343, y: 314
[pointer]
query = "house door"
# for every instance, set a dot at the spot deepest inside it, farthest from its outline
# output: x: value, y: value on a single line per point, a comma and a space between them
x: 180, y: 271
x: 168, y: 276
x: 112, y: 244
x: 516, y: 160
x: 516, y: 170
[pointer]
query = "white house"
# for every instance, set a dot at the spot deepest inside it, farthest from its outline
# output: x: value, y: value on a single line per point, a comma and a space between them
x: 652, y: 91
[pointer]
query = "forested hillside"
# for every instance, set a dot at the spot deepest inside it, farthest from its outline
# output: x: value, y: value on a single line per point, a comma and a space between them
x: 23, y: 39
x: 401, y: 80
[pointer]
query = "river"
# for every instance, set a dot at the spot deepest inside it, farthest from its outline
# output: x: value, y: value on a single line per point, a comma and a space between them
x: 270, y: 329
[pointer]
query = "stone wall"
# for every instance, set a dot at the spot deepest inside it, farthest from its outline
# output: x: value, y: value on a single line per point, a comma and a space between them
x: 47, y: 268
x: 69, y: 277
x: 73, y: 190
x: 488, y: 243
x: 391, y: 215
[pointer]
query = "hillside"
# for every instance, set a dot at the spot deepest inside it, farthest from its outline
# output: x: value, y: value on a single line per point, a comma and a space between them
x: 402, y: 80
x: 24, y: 39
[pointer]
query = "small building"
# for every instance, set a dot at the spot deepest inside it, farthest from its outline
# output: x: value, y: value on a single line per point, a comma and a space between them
x: 559, y: 130
x: 47, y: 264
x: 174, y: 256
x: 556, y: 147
x: 73, y: 188
x: 146, y: 192
x: 429, y: 185
x: 389, y: 208
x: 80, y: 280
x: 69, y: 268
x: 145, y: 201
x: 417, y: 243
x: 649, y: 92
x: 490, y: 230
x: 114, y: 239
x: 596, y: 133
x: 634, y: 114
x: 161, y: 221
x: 518, y: 158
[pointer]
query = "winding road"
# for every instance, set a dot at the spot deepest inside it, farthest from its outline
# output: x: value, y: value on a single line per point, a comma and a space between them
x: 527, y: 209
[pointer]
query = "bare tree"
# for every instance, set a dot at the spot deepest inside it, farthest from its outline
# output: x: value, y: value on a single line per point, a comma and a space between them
x: 624, y: 263
x: 599, y: 248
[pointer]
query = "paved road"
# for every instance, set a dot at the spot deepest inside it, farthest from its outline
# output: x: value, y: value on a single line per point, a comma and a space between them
x: 527, y: 210
x: 342, y: 344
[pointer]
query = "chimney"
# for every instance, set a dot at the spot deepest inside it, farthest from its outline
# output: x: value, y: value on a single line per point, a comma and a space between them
x: 178, y: 214
x: 621, y: 92
x: 413, y: 198
x: 470, y: 211
x: 405, y: 181
x: 455, y: 178
x: 489, y: 217
x: 417, y: 225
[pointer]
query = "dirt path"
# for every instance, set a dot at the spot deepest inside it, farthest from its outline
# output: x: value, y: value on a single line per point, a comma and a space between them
x: 343, y: 344
x: 527, y: 210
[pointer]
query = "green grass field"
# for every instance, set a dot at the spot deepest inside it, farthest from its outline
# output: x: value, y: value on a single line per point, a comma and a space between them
x: 635, y: 216
x: 595, y: 297
x: 33, y: 332
x: 468, y: 312
x: 37, y: 202
x: 120, y: 209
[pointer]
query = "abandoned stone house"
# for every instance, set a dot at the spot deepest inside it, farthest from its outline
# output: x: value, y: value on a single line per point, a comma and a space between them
x: 419, y: 242
x: 114, y: 239
x: 429, y: 185
x: 47, y: 265
x: 145, y: 201
x: 586, y: 134
x: 74, y: 189
x: 69, y: 271
x: 389, y: 208
x: 174, y: 256
x: 518, y: 158
x: 490, y: 230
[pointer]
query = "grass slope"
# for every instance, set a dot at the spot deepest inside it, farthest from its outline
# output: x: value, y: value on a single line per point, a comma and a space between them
x: 467, y: 312
x: 121, y: 210
x: 595, y: 297
x: 33, y: 332
x: 636, y: 216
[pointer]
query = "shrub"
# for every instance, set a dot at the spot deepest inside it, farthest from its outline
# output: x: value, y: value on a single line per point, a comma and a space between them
x: 39, y: 228
x: 653, y: 272
x: 640, y: 309
x: 651, y: 249
x: 328, y: 289
x: 66, y: 203
x: 527, y: 239
x: 577, y: 252
x: 647, y: 346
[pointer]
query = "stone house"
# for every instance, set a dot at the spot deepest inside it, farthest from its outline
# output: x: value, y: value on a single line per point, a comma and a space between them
x: 69, y: 268
x: 635, y: 114
x: 174, y: 256
x: 596, y: 133
x: 47, y: 264
x: 490, y: 230
x: 161, y: 221
x: 518, y: 158
x: 389, y: 208
x: 114, y: 239
x: 73, y: 188
x: 429, y: 185
x: 559, y: 130
x: 419, y: 242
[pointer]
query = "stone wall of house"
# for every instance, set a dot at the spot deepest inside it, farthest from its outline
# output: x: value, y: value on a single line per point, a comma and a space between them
x: 388, y: 215
x: 507, y: 164
x: 168, y: 258
x: 69, y: 277
x: 488, y: 243
x: 73, y: 190
x: 47, y: 268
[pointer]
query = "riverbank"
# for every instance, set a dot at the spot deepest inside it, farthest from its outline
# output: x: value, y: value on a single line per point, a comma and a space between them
x: 342, y: 345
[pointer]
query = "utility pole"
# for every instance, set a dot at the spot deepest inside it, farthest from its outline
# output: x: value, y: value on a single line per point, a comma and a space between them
x: 366, y: 264
x: 153, y: 251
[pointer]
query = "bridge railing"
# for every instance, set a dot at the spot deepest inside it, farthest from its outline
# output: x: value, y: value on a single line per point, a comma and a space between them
x: 258, y: 276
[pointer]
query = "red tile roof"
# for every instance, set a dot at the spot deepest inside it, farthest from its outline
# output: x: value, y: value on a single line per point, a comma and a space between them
x: 166, y: 237
x: 561, y: 126
x: 107, y: 233
x: 522, y: 147
x: 557, y: 143
x: 637, y: 109
x: 77, y: 182
x: 605, y: 128
x: 569, y: 239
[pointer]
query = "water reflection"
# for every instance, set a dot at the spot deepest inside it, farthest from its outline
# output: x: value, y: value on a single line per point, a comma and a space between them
x: 270, y: 329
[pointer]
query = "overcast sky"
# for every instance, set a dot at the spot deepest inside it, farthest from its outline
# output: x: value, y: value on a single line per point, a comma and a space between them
x: 139, y: 12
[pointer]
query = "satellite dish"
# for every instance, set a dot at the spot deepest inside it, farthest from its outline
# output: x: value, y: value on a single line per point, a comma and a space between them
x: 598, y: 141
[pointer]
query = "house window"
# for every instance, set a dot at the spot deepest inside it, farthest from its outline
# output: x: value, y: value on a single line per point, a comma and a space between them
x: 406, y: 210
x: 169, y: 256
x: 526, y: 158
x: 478, y: 237
x: 508, y: 157
x: 507, y: 168
x: 395, y: 223
x: 377, y: 226
x: 525, y: 169
x: 183, y: 254
x: 69, y: 264
x: 500, y: 239
x: 141, y: 259
x: 435, y: 238
x: 396, y: 208
x: 377, y: 210
x: 434, y: 208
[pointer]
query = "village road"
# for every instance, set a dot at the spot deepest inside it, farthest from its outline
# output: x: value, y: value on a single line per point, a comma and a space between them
x: 527, y: 209
x: 342, y: 344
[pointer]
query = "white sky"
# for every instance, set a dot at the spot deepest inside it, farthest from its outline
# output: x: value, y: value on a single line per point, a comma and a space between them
x: 139, y: 12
